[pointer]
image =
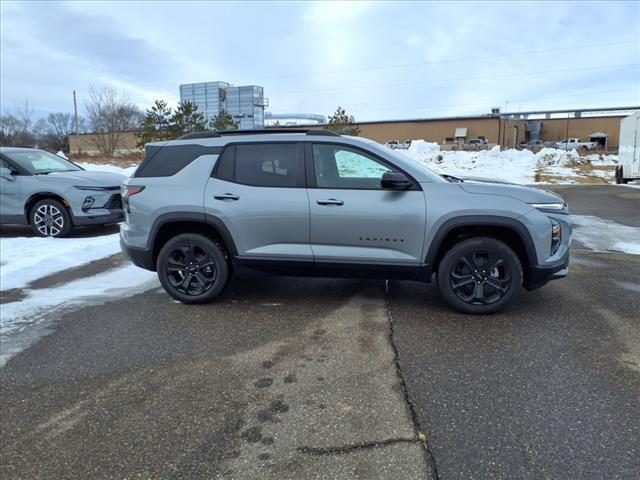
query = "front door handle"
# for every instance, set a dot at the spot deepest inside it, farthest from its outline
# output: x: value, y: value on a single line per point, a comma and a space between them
x: 330, y: 201
x: 227, y: 196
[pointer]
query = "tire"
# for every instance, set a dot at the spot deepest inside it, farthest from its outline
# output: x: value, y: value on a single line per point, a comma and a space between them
x: 618, y: 175
x: 192, y: 268
x: 480, y: 275
x: 50, y: 218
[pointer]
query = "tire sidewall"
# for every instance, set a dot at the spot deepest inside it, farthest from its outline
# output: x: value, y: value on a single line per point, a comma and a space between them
x: 209, y: 246
x: 67, y: 225
x: 450, y: 259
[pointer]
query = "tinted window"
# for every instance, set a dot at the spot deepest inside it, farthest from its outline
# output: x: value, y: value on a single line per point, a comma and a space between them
x: 169, y: 160
x: 267, y: 165
x: 224, y: 168
x: 343, y: 167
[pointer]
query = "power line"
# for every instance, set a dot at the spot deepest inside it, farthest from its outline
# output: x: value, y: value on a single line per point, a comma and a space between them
x: 435, y: 62
x: 495, y: 103
x: 422, y: 82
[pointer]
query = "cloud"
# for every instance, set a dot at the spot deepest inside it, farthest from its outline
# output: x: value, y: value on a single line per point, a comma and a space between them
x: 310, y: 56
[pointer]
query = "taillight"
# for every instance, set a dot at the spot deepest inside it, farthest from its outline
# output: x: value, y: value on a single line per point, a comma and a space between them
x: 130, y: 190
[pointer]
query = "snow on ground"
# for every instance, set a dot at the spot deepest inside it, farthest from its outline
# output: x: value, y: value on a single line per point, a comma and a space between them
x: 549, y: 165
x: 24, y: 322
x: 605, y: 235
x: 25, y: 259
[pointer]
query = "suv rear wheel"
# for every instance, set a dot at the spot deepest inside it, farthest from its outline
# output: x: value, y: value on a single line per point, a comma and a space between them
x: 480, y: 275
x: 192, y: 268
x: 49, y: 218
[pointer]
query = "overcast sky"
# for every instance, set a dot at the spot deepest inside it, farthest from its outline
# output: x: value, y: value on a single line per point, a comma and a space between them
x: 378, y: 60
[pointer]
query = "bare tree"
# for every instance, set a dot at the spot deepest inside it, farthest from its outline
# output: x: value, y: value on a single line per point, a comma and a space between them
x: 109, y: 113
x: 54, y: 131
x: 16, y: 129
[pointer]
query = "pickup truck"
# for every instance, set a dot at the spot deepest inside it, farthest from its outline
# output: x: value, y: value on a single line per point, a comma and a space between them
x: 575, y: 143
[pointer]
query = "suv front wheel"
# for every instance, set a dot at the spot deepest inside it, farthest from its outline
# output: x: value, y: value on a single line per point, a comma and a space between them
x: 192, y: 268
x: 480, y: 275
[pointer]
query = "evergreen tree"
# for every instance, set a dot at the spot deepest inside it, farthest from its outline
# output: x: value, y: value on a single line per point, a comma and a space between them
x: 223, y: 121
x: 342, y: 123
x: 156, y: 124
x: 187, y: 119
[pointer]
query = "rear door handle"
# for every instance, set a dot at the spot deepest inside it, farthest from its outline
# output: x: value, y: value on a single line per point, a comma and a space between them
x: 330, y: 201
x: 227, y: 196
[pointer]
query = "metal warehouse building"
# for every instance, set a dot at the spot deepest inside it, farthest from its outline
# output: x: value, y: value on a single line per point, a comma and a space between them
x: 245, y: 104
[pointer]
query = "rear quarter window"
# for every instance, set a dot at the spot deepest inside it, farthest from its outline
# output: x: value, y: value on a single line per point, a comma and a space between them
x: 169, y: 160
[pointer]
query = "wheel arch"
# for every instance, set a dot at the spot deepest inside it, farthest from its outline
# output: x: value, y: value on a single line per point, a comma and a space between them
x: 171, y: 224
x: 510, y: 231
x: 36, y: 197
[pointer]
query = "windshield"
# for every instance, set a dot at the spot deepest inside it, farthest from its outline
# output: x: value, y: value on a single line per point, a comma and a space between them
x: 38, y: 162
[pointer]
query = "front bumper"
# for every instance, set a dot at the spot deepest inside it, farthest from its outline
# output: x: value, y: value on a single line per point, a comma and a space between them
x: 114, y: 216
x: 536, y: 277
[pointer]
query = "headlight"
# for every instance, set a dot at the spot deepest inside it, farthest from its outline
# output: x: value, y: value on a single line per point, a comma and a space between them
x: 549, y: 206
x: 556, y: 236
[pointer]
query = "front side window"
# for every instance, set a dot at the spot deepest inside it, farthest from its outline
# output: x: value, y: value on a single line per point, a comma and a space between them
x: 267, y: 165
x: 38, y: 162
x: 343, y: 167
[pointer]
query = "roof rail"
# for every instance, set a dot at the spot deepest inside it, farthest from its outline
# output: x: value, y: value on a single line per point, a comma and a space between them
x: 266, y: 131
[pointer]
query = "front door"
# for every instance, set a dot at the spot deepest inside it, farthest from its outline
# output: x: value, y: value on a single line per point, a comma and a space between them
x: 355, y: 220
x: 11, y: 205
x: 257, y: 191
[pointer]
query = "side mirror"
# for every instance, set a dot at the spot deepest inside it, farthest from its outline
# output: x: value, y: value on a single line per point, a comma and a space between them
x: 395, y: 181
x: 6, y: 174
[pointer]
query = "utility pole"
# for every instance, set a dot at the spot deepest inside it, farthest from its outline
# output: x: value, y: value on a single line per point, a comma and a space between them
x: 75, y: 121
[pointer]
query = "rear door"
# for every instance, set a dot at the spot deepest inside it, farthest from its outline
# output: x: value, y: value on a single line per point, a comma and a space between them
x: 355, y: 220
x: 258, y: 191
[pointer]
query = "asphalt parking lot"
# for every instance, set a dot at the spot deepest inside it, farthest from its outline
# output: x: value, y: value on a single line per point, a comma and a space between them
x: 316, y: 378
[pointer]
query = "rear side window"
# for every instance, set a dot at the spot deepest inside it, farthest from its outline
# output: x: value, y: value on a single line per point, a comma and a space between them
x: 261, y: 165
x: 169, y: 160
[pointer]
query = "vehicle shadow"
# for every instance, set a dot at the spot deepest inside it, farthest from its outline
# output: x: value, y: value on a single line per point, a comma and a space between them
x: 13, y: 231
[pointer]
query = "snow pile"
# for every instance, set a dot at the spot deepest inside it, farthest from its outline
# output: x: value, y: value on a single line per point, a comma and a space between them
x: 24, y: 260
x: 517, y: 166
x: 107, y: 168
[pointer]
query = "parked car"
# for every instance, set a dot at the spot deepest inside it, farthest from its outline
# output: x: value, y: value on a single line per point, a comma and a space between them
x: 532, y: 144
x: 629, y: 151
x: 575, y: 143
x: 393, y: 144
x: 476, y: 143
x: 315, y: 203
x: 54, y: 195
x: 406, y: 144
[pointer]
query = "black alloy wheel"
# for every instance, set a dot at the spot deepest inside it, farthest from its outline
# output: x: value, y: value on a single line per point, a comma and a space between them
x: 480, y: 275
x: 192, y: 268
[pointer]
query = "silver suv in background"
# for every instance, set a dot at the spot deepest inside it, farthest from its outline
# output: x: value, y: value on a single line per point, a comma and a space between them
x: 209, y: 205
x: 54, y: 195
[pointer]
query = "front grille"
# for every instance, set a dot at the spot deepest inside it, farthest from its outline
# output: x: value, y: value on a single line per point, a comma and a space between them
x: 114, y: 202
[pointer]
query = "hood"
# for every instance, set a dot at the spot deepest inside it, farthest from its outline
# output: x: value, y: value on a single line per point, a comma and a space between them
x: 524, y: 194
x: 85, y: 178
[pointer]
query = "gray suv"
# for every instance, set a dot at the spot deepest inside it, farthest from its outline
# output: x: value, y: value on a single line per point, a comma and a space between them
x: 315, y: 203
x: 53, y: 195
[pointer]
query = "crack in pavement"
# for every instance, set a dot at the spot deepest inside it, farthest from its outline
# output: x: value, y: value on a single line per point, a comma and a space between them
x: 351, y: 448
x: 421, y: 437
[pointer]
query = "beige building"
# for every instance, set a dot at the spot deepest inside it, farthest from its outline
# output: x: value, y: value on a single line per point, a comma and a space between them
x: 505, y: 130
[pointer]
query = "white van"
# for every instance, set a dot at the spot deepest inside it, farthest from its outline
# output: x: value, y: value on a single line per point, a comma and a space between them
x: 629, y: 151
